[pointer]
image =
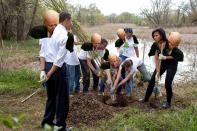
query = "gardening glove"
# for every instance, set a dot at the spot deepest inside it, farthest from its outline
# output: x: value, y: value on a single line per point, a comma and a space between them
x: 112, y: 93
x: 112, y: 90
x: 42, y: 76
x: 96, y: 72
x: 162, y: 57
x: 109, y: 81
x: 157, y: 77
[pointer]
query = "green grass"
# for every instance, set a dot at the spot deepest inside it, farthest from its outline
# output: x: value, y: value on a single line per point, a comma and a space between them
x: 185, y: 120
x: 26, y: 48
x: 18, y: 81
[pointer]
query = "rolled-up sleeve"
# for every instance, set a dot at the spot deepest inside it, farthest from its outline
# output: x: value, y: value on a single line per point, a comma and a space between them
x: 61, y: 54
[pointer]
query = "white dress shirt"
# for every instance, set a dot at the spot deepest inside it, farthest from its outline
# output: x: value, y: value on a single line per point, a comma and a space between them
x: 72, y: 58
x: 47, y: 50
x: 59, y: 39
x: 83, y: 55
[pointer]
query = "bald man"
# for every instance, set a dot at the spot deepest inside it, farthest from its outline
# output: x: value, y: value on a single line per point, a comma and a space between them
x: 57, y: 105
x: 121, y: 33
x: 110, y: 69
x: 50, y: 20
x: 127, y: 44
x: 88, y: 53
x: 169, y: 63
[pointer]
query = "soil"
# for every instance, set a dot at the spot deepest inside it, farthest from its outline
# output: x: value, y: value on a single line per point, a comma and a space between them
x: 85, y: 109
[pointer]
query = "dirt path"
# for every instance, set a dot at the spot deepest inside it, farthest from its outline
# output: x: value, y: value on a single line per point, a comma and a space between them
x: 85, y: 109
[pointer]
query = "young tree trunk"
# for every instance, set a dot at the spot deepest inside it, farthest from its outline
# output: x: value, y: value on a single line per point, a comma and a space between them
x: 20, y: 19
x: 1, y: 40
x: 33, y: 16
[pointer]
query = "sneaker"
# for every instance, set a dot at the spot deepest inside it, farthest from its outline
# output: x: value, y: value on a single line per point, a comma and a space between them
x: 100, y: 93
x: 43, y: 124
x: 69, y: 129
x: 142, y: 100
x: 71, y: 95
x: 166, y: 105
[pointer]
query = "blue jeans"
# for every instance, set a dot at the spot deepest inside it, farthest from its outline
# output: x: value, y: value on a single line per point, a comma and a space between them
x: 129, y: 87
x: 102, y: 81
x: 73, y: 76
x: 145, y: 75
x: 123, y: 57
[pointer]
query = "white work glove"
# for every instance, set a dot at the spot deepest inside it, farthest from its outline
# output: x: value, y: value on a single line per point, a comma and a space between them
x: 157, y: 77
x: 112, y: 93
x: 42, y: 76
x: 96, y: 72
x: 109, y: 81
x: 162, y: 57
x: 112, y: 90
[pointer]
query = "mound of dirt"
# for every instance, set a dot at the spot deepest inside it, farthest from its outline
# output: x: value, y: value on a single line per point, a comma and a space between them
x: 88, y: 109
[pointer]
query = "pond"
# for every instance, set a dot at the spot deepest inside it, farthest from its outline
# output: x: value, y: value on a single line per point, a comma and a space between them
x: 187, y: 70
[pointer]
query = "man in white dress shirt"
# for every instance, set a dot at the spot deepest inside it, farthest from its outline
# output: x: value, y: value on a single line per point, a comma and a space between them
x: 57, y: 105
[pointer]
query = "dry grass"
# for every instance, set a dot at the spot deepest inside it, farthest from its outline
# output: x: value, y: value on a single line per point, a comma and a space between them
x: 108, y: 31
x: 15, y: 55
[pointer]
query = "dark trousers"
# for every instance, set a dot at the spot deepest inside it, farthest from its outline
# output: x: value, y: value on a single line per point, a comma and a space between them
x: 170, y: 69
x: 86, y: 75
x: 95, y: 77
x: 57, y: 104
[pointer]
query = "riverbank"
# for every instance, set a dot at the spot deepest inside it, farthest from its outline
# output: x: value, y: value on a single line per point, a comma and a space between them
x: 87, y: 111
x: 108, y: 31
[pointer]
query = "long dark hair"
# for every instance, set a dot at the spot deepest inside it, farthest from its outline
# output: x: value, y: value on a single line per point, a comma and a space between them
x: 162, y: 32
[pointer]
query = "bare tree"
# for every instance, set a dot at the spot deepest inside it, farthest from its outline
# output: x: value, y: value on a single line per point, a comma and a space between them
x: 61, y: 5
x: 158, y: 14
x: 20, y: 5
x: 33, y: 15
x: 193, y: 5
x: 7, y: 14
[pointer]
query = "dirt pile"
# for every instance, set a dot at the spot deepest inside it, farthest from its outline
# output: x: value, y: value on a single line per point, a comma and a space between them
x: 88, y: 109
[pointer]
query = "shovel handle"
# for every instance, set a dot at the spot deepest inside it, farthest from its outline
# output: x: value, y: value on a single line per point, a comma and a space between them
x: 28, y: 97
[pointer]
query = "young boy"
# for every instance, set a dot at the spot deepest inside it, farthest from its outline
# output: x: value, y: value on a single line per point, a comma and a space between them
x: 73, y: 71
x: 127, y: 43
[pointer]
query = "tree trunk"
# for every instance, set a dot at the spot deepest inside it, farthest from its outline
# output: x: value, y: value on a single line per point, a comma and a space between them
x: 1, y: 40
x: 33, y: 16
x: 20, y: 19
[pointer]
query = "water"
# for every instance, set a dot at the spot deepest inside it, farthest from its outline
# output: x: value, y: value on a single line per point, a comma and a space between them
x: 187, y: 70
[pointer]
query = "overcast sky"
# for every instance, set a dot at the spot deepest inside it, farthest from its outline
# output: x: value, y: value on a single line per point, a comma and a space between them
x: 118, y: 6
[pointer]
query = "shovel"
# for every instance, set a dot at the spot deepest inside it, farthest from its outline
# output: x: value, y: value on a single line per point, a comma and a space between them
x: 35, y: 92
x: 157, y: 87
x: 112, y: 99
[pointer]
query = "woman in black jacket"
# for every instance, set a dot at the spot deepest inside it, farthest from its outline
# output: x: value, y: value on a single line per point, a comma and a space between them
x: 169, y: 56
